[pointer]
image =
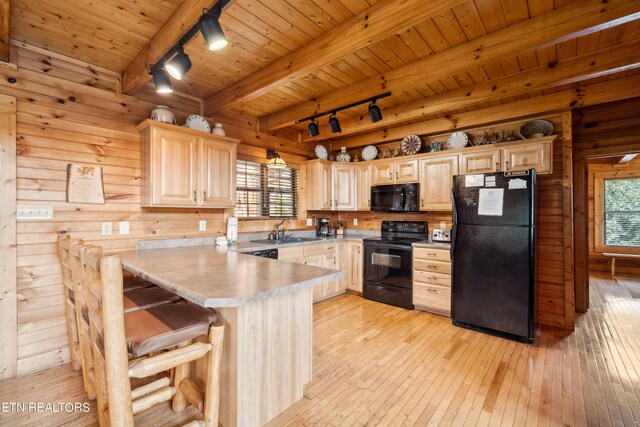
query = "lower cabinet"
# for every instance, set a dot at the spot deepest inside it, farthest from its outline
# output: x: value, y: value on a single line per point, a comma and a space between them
x: 356, y: 260
x: 432, y: 280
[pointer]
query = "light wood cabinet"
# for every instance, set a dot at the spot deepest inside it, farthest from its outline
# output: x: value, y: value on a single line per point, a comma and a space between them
x: 436, y: 182
x: 432, y: 280
x: 319, y: 185
x: 363, y: 187
x: 536, y: 155
x: 395, y: 172
x: 291, y: 254
x: 355, y: 266
x: 185, y: 168
x: 343, y: 176
x: 483, y: 161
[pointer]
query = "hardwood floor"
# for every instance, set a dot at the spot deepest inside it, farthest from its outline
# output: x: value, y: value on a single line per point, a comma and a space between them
x: 379, y: 365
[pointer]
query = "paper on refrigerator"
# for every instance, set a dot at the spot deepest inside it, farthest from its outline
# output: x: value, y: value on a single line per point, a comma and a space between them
x: 490, y: 201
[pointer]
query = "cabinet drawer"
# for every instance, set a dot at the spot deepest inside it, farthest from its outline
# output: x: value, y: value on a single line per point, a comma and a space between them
x: 329, y: 248
x: 310, y: 250
x: 433, y: 297
x: 429, y: 277
x: 428, y: 253
x: 429, y: 265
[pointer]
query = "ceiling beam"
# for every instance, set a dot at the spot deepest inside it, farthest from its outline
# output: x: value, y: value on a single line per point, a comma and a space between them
x: 627, y: 158
x: 136, y: 74
x: 565, y: 23
x: 5, y: 38
x: 380, y: 21
x: 593, y: 64
x: 610, y: 91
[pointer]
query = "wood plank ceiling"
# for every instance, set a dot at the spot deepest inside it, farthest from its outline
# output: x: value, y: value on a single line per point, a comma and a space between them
x: 110, y: 33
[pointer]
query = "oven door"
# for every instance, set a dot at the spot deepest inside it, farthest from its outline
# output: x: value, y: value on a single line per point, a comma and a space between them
x: 388, y: 264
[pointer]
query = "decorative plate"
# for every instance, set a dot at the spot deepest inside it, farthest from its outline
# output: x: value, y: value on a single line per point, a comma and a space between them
x: 369, y: 152
x: 536, y: 129
x: 411, y: 144
x: 457, y: 140
x: 197, y: 122
x: 321, y: 152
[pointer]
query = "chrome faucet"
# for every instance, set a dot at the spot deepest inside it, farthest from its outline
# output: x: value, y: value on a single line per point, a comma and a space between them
x: 278, y: 236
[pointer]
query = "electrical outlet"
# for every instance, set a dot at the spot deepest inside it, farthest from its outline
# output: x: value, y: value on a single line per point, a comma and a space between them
x: 123, y: 227
x: 203, y: 225
x: 309, y: 222
x: 35, y: 212
x: 107, y: 228
x: 355, y: 221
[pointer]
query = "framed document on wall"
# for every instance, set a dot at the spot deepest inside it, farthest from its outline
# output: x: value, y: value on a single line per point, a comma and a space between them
x: 84, y: 184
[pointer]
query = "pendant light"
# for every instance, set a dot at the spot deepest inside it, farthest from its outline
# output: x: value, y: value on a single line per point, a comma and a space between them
x: 161, y: 80
x: 275, y: 161
x: 375, y: 115
x: 313, y: 128
x: 179, y: 65
x: 334, y: 124
x: 212, y: 31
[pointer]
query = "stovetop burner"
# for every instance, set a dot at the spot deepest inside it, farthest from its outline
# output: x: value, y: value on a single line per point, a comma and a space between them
x: 396, y: 239
x: 402, y: 232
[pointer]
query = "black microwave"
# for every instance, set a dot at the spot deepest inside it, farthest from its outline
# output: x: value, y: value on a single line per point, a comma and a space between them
x: 395, y: 198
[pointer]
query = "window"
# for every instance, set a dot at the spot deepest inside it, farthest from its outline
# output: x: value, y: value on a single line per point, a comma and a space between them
x: 617, y: 212
x: 264, y: 192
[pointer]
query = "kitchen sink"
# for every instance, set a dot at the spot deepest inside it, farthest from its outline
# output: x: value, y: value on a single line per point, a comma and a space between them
x: 288, y: 240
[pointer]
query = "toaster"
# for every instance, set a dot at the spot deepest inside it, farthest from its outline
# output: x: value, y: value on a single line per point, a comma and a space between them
x: 441, y: 235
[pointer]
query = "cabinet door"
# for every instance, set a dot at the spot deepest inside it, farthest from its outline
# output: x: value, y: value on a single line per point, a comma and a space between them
x: 406, y: 171
x: 343, y: 264
x: 480, y: 161
x: 355, y: 267
x: 173, y: 175
x: 218, y: 173
x: 382, y: 173
x: 318, y: 186
x: 316, y: 261
x: 363, y: 187
x: 525, y: 156
x: 344, y: 186
x: 436, y: 181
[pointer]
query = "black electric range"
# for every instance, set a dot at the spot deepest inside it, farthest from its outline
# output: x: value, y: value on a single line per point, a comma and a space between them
x: 388, y: 262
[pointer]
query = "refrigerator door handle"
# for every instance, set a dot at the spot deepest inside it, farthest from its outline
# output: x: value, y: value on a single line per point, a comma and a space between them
x: 454, y: 216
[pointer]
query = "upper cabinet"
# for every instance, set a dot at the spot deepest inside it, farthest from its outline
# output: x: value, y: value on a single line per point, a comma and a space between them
x: 487, y: 160
x: 436, y: 181
x: 343, y: 176
x: 186, y: 168
x: 363, y: 186
x: 536, y: 155
x: 395, y: 171
x: 319, y: 185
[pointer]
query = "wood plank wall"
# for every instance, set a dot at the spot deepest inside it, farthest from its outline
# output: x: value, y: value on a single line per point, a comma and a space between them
x: 599, y: 131
x: 598, y: 262
x: 70, y: 112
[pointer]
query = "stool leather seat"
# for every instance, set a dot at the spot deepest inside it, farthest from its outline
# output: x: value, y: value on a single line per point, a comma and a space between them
x: 140, y: 299
x: 165, y: 326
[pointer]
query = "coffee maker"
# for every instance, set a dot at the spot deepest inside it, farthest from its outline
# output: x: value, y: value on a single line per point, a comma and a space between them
x: 322, y: 227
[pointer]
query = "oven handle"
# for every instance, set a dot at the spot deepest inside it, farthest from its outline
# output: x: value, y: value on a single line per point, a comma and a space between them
x: 388, y: 245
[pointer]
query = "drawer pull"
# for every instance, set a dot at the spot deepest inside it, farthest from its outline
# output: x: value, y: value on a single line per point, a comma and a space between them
x: 432, y: 266
x: 432, y: 291
x: 432, y: 254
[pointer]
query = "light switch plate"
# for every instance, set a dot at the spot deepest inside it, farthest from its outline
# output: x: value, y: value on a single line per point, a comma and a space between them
x: 123, y: 227
x: 203, y: 225
x: 35, y: 212
x: 107, y: 228
x: 355, y: 221
x: 443, y: 224
x: 309, y: 222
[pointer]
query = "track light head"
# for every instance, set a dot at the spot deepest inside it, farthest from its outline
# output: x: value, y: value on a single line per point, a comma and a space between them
x: 375, y: 115
x: 334, y: 124
x: 179, y: 65
x: 161, y: 80
x: 212, y: 31
x: 313, y: 128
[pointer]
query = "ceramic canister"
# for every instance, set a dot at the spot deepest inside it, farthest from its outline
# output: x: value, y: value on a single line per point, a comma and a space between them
x: 217, y: 130
x: 162, y: 114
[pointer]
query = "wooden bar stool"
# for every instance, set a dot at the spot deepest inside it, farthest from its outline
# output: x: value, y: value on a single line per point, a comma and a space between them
x: 158, y: 339
x: 64, y: 242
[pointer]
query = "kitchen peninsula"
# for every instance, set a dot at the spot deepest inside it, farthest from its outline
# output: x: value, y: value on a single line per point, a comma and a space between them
x: 266, y: 306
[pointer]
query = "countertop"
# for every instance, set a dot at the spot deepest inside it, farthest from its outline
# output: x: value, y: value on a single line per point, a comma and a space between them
x: 216, y: 277
x: 253, y: 246
x: 433, y: 245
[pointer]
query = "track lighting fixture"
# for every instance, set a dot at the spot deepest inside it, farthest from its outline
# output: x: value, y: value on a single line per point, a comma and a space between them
x: 334, y: 124
x: 212, y: 31
x: 179, y: 65
x: 177, y: 62
x: 375, y: 115
x: 313, y: 128
x: 161, y: 80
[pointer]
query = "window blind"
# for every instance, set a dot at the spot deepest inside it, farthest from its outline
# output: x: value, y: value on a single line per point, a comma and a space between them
x: 264, y: 192
x: 622, y: 212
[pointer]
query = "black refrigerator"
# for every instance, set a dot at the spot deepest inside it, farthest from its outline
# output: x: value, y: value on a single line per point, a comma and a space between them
x: 492, y: 253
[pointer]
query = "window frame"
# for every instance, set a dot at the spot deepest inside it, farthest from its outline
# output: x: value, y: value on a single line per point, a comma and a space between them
x: 598, y: 218
x: 265, y: 192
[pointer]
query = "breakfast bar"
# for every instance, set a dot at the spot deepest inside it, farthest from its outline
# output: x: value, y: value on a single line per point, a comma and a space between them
x: 266, y: 306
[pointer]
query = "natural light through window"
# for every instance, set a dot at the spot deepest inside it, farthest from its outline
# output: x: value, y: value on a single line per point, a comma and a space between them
x: 265, y: 192
x: 622, y: 212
